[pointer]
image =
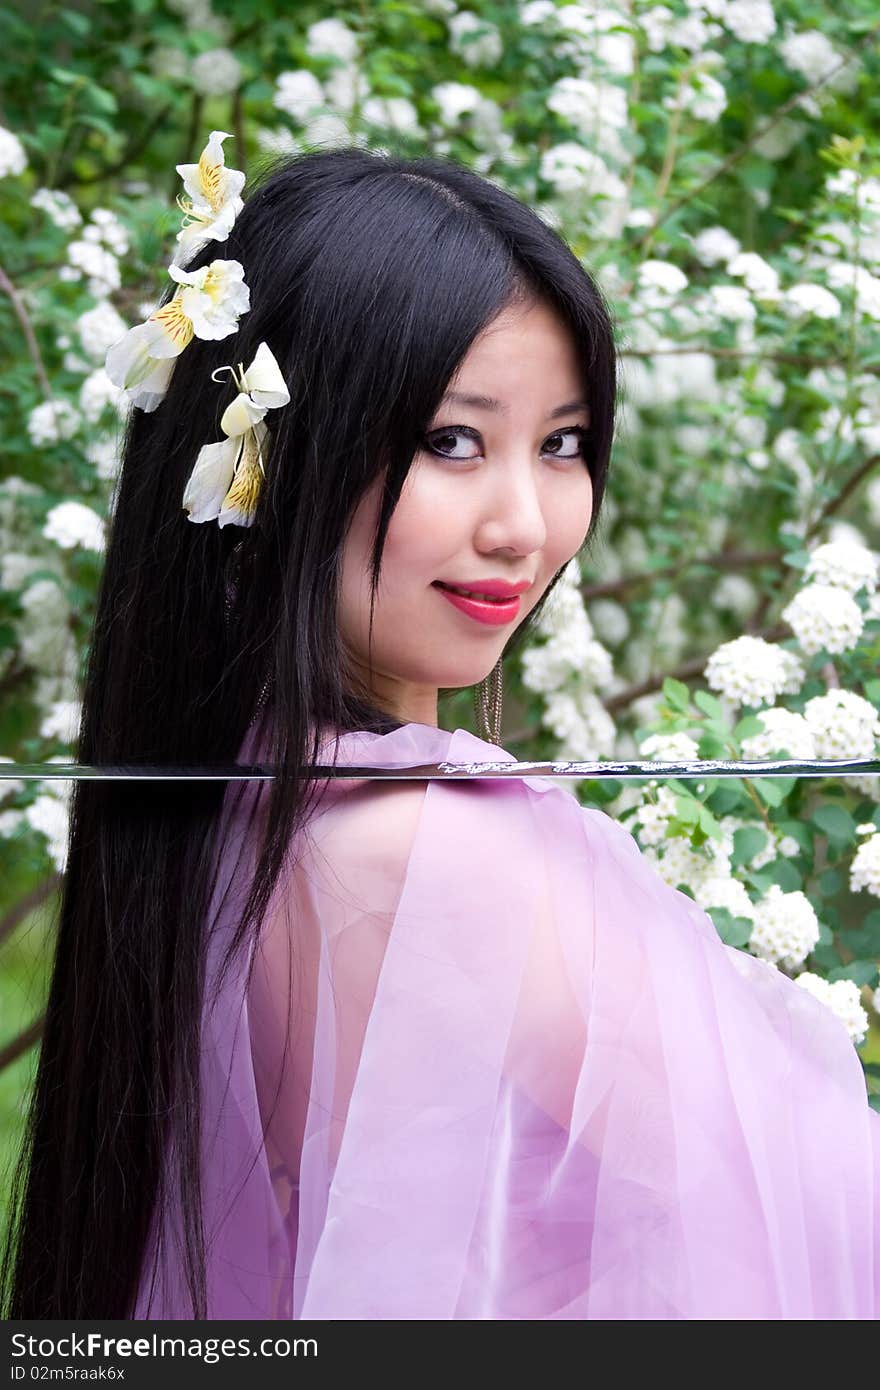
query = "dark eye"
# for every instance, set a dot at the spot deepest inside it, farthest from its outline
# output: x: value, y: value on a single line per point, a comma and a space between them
x: 442, y: 442
x: 556, y: 442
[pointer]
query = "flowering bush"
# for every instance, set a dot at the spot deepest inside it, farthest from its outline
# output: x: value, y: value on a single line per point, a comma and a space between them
x: 709, y: 161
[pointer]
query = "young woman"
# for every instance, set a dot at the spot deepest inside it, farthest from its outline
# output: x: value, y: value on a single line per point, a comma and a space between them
x: 358, y: 1049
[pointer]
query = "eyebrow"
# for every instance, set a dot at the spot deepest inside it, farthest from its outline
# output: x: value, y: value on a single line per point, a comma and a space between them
x: 490, y: 403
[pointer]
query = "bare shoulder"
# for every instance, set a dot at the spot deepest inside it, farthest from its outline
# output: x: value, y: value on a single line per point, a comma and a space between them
x: 369, y: 829
x: 367, y: 833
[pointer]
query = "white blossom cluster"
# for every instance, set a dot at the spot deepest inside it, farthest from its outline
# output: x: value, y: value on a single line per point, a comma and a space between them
x: 52, y: 421
x: 676, y: 747
x: 13, y: 159
x: 89, y: 258
x: 723, y: 890
x: 786, y: 928
x: 59, y: 207
x: 750, y: 671
x: 94, y: 254
x: 49, y: 814
x: 842, y: 997
x: 702, y: 96
x: 475, y: 40
x: 46, y: 643
x: 811, y: 300
x: 596, y: 109
x: 331, y: 38
x: 837, y: 725
x: 750, y: 21
x: 865, y: 868
x: 589, y: 35
x: 610, y: 621
x: 298, y: 94
x: 571, y: 168
x: 72, y: 524
x: 844, y: 724
x: 216, y: 72
x: 783, y: 729
x: 824, y: 617
x: 758, y: 276
x: 98, y: 329
x: 849, y: 567
x: 735, y: 593
x: 61, y: 721
x: 653, y: 817
x: 97, y: 393
x: 581, y: 723
x: 568, y: 667
x: 198, y: 14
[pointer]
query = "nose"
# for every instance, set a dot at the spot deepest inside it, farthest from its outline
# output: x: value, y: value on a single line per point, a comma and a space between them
x: 513, y: 516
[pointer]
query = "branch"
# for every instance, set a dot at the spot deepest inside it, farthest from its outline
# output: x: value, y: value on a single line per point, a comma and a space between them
x: 33, y: 346
x: 724, y: 560
x: 27, y: 904
x: 685, y: 671
x: 736, y: 155
x: 835, y: 503
x: 23, y: 1043
x: 789, y: 359
x: 732, y: 559
x: 128, y: 156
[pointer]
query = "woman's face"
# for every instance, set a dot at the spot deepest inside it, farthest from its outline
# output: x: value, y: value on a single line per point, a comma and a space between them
x: 499, y: 491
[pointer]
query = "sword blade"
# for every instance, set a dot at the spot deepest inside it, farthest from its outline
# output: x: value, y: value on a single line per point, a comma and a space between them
x: 698, y: 769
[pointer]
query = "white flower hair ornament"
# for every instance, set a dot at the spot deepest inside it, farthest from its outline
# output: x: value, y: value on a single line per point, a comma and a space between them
x: 226, y: 480
x: 213, y: 199
x: 208, y: 302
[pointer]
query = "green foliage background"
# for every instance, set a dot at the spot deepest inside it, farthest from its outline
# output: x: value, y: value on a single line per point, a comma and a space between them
x: 106, y: 99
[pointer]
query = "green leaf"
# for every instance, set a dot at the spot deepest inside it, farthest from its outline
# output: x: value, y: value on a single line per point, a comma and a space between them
x: 863, y: 972
x: 747, y: 842
x: 709, y: 705
x: 104, y: 100
x: 709, y: 825
x: 78, y: 24
x: 729, y: 797
x: 784, y: 873
x: 773, y: 791
x: 710, y: 745
x: 734, y: 931
x: 798, y: 559
x: 797, y: 831
x: 748, y: 727
x: 863, y: 940
x: 66, y: 76
x: 830, y: 883
x: 687, y: 810
x: 677, y: 694
x: 835, y: 823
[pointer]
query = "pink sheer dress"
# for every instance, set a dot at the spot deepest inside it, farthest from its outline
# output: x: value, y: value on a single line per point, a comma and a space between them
x: 490, y: 1066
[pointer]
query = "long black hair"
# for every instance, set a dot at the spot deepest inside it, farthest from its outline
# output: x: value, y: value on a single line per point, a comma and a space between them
x: 370, y: 274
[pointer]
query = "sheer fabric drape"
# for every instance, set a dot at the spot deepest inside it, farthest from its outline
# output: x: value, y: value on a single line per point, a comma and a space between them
x: 490, y: 1066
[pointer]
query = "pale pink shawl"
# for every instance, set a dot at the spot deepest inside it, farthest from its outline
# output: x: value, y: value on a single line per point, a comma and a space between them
x: 524, y: 1079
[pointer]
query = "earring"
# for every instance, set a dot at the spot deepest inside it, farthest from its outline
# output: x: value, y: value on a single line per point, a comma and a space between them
x: 488, y: 695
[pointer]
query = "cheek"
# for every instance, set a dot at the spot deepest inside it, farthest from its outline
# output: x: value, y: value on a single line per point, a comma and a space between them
x: 568, y: 519
x: 426, y: 525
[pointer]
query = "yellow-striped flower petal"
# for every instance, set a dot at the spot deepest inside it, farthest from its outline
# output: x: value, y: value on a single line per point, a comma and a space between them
x: 240, y: 502
x: 177, y: 328
x: 212, y: 198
